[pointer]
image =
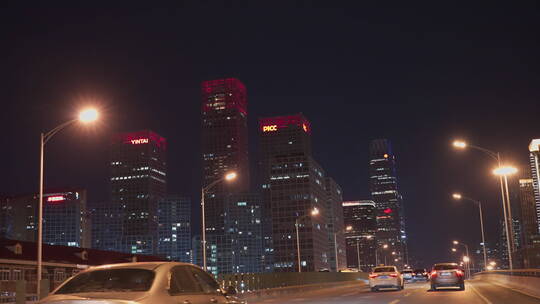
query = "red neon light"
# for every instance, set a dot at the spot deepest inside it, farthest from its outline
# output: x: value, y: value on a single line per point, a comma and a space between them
x: 56, y: 198
x: 139, y: 141
x: 387, y: 211
x: 141, y: 137
x: 285, y: 121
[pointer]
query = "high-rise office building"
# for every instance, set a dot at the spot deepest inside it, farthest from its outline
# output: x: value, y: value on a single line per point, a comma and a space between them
x: 529, y: 220
x: 174, y: 228
x: 293, y: 185
x: 534, y: 149
x: 336, y: 230
x: 138, y: 182
x: 224, y: 149
x: 243, y: 225
x: 388, y: 200
x: 65, y: 218
x: 361, y: 216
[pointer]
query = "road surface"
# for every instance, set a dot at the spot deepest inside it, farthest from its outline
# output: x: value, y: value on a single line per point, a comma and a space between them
x: 476, y: 292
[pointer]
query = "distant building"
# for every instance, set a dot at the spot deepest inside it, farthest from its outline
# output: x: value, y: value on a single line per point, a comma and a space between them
x: 174, y: 230
x: 336, y: 229
x: 224, y: 149
x: 65, y: 218
x: 293, y: 184
x: 106, y: 225
x: 138, y: 182
x: 243, y: 226
x: 388, y: 199
x: 361, y: 216
x: 534, y: 149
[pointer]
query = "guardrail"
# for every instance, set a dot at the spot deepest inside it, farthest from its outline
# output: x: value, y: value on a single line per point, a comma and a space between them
x: 524, y: 280
x: 515, y: 272
x: 257, y: 281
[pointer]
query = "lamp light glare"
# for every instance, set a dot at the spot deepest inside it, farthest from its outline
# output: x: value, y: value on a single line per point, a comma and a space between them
x: 507, y: 170
x: 88, y: 115
x: 459, y: 144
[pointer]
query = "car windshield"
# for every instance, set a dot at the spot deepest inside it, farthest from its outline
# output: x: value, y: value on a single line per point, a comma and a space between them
x: 109, y: 280
x: 384, y: 269
x: 445, y: 267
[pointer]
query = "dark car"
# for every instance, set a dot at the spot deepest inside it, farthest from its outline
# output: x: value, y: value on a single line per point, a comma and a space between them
x: 447, y: 275
x: 420, y: 275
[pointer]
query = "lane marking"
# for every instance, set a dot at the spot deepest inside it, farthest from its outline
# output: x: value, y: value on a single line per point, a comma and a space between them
x: 408, y: 294
x: 479, y: 294
x: 394, y: 302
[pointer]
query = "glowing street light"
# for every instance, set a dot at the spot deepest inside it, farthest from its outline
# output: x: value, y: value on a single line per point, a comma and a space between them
x: 456, y: 196
x: 314, y: 212
x: 348, y: 228
x: 85, y: 116
x: 230, y: 176
x: 454, y: 249
x: 88, y: 115
x: 459, y: 144
x: 504, y: 171
x: 466, y: 259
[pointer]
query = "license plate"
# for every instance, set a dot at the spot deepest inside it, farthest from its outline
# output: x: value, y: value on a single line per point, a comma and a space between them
x: 383, y: 277
x: 445, y: 274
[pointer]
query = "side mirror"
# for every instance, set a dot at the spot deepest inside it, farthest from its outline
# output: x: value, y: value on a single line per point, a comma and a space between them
x: 231, y: 291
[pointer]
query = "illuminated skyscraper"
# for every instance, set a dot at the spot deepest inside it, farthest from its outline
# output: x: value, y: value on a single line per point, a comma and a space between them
x: 293, y: 184
x: 224, y: 149
x: 534, y: 149
x: 138, y: 182
x: 527, y: 209
x: 388, y: 200
x: 336, y: 229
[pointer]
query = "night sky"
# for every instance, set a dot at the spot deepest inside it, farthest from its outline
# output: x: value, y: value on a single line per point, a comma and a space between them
x: 415, y: 74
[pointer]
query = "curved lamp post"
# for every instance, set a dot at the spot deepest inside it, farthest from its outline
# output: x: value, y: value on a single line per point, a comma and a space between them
x: 227, y: 177
x: 85, y: 116
x: 314, y: 212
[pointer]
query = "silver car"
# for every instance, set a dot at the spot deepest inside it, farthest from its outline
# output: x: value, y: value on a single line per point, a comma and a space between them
x: 141, y: 283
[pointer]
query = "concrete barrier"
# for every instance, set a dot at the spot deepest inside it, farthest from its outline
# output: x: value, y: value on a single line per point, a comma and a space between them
x: 275, y: 292
x: 526, y: 281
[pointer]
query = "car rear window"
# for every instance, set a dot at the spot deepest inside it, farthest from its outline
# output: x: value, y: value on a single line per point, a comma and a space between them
x: 445, y: 267
x: 109, y: 280
x: 407, y: 271
x: 419, y: 270
x: 384, y: 269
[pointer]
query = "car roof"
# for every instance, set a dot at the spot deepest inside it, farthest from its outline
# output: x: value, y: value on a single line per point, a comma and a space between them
x: 138, y: 265
x: 453, y: 264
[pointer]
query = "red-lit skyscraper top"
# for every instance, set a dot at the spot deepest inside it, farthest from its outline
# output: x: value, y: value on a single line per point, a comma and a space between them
x: 273, y: 124
x: 221, y: 94
x: 141, y: 138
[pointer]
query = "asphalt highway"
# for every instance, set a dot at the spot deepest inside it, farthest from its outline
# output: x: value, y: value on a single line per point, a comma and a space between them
x: 476, y: 292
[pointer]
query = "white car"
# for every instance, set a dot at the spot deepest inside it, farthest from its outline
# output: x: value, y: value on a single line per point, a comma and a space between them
x: 385, y: 277
x: 141, y: 283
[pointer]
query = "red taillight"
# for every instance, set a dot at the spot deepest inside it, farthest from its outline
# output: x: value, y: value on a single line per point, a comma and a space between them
x: 433, y: 273
x: 393, y: 275
x: 372, y: 276
x: 459, y: 273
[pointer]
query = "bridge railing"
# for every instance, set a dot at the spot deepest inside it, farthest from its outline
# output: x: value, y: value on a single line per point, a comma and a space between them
x: 257, y: 281
x: 515, y: 272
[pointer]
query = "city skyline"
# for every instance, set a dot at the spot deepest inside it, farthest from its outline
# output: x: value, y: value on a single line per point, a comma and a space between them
x: 420, y: 93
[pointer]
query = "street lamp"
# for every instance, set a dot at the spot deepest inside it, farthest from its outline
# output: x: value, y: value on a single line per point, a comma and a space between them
x: 227, y: 177
x: 458, y: 196
x: 85, y: 116
x: 466, y: 256
x: 314, y: 212
x: 504, y: 172
x: 460, y: 144
x: 348, y: 228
